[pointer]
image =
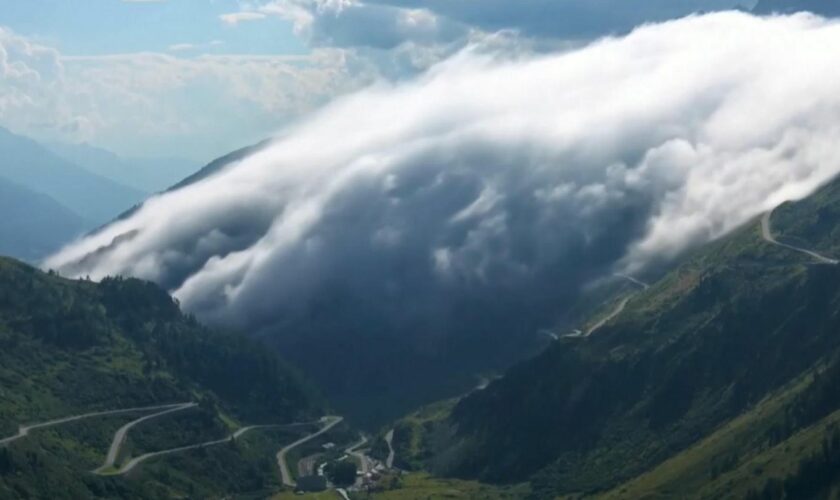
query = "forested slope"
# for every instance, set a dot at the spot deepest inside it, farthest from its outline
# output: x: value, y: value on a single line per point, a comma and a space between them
x: 74, y: 347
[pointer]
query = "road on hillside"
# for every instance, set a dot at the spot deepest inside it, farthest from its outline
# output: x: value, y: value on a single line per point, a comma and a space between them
x: 615, y: 312
x: 24, y: 430
x: 353, y: 451
x: 134, y: 462
x: 633, y: 280
x: 329, y: 421
x: 767, y: 234
x: 389, y: 438
x: 120, y: 435
x: 606, y: 319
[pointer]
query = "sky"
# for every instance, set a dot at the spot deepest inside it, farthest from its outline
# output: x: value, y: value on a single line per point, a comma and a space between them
x: 199, y: 78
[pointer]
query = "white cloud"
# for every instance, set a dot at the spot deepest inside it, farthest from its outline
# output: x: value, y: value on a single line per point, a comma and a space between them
x: 239, y: 17
x: 139, y: 102
x: 498, y: 182
x: 191, y: 47
x: 352, y: 23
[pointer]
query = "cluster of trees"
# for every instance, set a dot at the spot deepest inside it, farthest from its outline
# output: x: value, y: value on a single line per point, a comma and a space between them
x: 341, y: 472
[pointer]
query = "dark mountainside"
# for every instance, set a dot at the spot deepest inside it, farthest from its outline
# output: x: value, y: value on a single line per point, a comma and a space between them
x: 725, y: 372
x: 33, y: 225
x: 94, y: 198
x: 75, y: 347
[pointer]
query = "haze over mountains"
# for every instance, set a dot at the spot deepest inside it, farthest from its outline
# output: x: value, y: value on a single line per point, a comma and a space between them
x: 93, y: 197
x: 415, y: 236
x: 54, y: 194
x: 149, y: 175
x: 33, y: 224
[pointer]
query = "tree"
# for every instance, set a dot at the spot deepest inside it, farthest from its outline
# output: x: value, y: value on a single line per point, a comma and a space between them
x: 342, y: 473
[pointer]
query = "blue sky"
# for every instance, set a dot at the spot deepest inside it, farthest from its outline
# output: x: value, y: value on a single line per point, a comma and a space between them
x: 199, y: 78
x: 96, y: 27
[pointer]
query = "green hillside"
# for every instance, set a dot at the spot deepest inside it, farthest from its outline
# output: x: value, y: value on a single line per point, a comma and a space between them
x: 723, y: 372
x: 75, y: 347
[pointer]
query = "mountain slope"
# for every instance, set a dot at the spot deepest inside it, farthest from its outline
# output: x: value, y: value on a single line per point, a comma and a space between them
x: 735, y: 325
x: 33, y: 225
x: 75, y: 347
x: 94, y: 198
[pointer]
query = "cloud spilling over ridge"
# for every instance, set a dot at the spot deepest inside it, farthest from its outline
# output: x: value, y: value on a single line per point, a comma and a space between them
x: 489, y: 178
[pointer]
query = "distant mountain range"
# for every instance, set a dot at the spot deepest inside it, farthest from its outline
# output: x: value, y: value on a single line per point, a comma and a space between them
x: 94, y: 198
x: 52, y: 194
x: 33, y: 224
x: 149, y: 175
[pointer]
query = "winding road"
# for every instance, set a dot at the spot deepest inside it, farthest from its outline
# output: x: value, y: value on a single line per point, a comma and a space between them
x: 24, y: 430
x: 606, y: 319
x: 134, y: 462
x: 329, y: 423
x: 615, y: 312
x: 389, y: 438
x: 119, y: 436
x: 767, y: 234
x: 633, y: 280
x: 353, y: 451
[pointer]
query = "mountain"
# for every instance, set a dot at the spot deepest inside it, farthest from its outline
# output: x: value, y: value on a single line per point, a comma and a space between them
x: 71, y: 348
x: 95, y: 198
x: 219, y: 164
x: 149, y: 175
x: 33, y: 224
x: 720, y: 380
x: 822, y: 7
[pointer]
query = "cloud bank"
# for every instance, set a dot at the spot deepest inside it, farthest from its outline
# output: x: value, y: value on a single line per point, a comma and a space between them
x: 141, y: 102
x: 474, y: 201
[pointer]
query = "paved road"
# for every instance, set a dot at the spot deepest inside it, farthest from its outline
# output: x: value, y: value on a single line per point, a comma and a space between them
x: 633, y: 280
x: 606, y: 319
x: 119, y: 436
x: 615, y: 312
x: 767, y: 234
x: 329, y: 423
x: 134, y: 462
x: 353, y: 450
x: 24, y: 430
x: 389, y: 438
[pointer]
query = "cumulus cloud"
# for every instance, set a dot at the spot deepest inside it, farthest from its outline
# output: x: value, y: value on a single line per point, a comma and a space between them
x: 388, y: 23
x: 476, y: 199
x: 142, y: 102
x: 564, y: 18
